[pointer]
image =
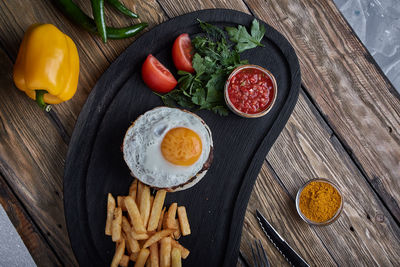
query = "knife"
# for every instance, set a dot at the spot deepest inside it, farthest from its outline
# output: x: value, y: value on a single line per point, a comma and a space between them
x: 287, y: 252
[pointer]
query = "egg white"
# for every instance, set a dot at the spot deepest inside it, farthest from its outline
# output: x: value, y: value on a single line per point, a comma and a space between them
x: 142, y: 147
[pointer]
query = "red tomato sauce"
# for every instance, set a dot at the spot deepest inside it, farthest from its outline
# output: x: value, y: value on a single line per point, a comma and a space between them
x: 251, y: 91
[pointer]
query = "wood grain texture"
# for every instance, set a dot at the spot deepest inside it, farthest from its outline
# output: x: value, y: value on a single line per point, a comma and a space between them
x: 300, y: 154
x: 314, y: 256
x: 31, y: 160
x: 32, y: 153
x: 113, y: 105
x: 37, y: 245
x: 95, y: 57
x: 176, y: 8
x: 346, y: 85
x: 274, y: 202
x: 259, y: 198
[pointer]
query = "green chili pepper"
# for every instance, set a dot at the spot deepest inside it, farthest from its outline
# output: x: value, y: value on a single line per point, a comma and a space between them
x: 119, y: 33
x: 98, y: 14
x: 71, y: 10
x: 122, y: 8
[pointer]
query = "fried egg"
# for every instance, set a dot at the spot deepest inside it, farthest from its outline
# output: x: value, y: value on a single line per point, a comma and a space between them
x: 168, y: 148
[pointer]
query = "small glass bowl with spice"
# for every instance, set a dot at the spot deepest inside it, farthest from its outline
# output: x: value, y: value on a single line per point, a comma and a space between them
x: 319, y: 202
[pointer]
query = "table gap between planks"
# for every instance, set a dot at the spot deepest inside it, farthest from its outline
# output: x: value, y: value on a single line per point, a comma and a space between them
x: 345, y: 127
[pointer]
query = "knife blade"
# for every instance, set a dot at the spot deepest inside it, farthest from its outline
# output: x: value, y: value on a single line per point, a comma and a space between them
x: 287, y: 252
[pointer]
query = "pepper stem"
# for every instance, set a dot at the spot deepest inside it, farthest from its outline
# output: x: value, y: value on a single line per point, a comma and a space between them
x: 40, y: 100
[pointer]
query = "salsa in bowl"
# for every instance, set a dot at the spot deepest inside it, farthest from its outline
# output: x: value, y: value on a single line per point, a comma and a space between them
x: 250, y: 91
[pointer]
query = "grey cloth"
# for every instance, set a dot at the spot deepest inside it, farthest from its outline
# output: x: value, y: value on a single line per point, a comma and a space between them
x: 13, y: 251
x: 377, y: 24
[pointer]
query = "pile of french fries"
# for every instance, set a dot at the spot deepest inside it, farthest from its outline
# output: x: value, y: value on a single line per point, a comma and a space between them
x: 144, y: 231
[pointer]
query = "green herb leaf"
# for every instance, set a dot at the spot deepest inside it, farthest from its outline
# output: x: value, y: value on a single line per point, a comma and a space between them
x: 257, y: 31
x: 220, y: 110
x: 215, y: 86
x: 199, y: 97
x: 168, y: 101
x: 243, y: 39
x: 198, y: 64
x: 213, y: 60
x: 213, y: 31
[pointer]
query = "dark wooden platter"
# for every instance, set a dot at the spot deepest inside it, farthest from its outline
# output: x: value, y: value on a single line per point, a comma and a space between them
x: 216, y: 205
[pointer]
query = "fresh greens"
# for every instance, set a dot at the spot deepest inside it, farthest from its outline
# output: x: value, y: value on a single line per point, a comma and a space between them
x: 213, y: 60
x: 243, y: 39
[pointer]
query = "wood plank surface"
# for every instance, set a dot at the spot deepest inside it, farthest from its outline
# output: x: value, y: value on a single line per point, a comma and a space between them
x: 32, y: 150
x: 339, y: 76
x: 32, y: 158
x: 299, y: 155
x: 346, y: 85
x: 180, y: 7
x: 95, y: 57
x: 41, y: 252
x: 352, y: 238
x: 23, y: 160
x: 274, y: 202
x: 351, y: 246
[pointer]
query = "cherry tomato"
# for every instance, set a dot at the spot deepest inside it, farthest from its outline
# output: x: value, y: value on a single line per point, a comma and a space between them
x: 182, y: 53
x: 156, y: 76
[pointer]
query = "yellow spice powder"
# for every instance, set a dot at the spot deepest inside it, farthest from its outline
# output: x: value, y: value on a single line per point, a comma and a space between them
x: 319, y: 201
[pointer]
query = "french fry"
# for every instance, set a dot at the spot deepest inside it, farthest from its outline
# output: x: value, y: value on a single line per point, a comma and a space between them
x: 110, y: 213
x: 154, y: 259
x: 133, y: 189
x: 142, y: 257
x: 139, y: 193
x: 139, y: 236
x: 148, y: 232
x: 124, y: 261
x: 132, y: 245
x: 160, y: 221
x: 183, y: 221
x: 165, y: 251
x: 176, y: 260
x: 133, y: 211
x: 184, y: 251
x: 126, y: 226
x: 119, y: 252
x: 133, y: 256
x: 157, y: 237
x: 116, y: 225
x: 156, y: 210
x: 127, y: 245
x: 121, y: 204
x: 177, y: 233
x: 151, y: 200
x: 141, y: 243
x: 145, y: 207
x: 164, y: 222
x: 171, y: 224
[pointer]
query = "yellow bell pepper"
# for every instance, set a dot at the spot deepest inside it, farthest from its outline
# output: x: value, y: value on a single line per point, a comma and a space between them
x: 47, y: 65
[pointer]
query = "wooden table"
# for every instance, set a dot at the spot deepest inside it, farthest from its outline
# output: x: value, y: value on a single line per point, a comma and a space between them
x: 345, y: 127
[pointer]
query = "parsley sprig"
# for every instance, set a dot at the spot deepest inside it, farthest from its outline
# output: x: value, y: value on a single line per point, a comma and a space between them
x: 213, y: 60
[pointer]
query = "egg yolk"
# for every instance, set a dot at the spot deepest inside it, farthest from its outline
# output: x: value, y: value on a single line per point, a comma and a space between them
x: 181, y: 146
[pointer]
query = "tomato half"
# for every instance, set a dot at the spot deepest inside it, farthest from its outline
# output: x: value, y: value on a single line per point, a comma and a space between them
x: 156, y: 76
x: 182, y: 53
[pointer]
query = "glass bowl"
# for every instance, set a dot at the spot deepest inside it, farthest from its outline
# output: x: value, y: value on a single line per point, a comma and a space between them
x: 250, y: 115
x: 331, y: 220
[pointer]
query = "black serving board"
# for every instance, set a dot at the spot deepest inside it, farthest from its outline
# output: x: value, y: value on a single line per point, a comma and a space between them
x: 217, y: 204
